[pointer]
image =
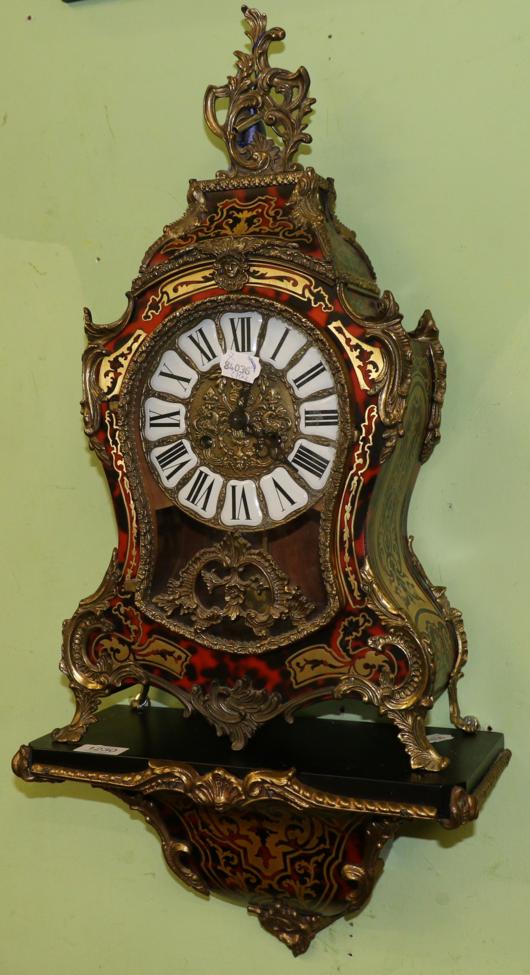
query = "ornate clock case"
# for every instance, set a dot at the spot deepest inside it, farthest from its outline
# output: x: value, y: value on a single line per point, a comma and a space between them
x: 261, y: 415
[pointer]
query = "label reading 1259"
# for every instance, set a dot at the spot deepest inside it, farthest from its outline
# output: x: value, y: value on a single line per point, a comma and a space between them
x: 101, y: 749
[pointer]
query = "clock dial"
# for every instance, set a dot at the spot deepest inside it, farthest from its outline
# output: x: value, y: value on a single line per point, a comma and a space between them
x: 236, y: 454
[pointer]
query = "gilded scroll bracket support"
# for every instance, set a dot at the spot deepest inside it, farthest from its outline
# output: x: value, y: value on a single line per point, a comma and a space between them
x: 241, y: 837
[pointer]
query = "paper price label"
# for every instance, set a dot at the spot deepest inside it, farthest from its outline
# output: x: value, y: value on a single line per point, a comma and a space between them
x: 438, y: 737
x: 240, y: 365
x: 101, y: 749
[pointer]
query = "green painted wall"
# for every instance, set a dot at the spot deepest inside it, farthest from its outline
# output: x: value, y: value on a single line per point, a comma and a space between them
x: 422, y: 119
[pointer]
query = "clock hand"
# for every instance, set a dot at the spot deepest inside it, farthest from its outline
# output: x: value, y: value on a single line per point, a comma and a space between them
x: 266, y: 440
x: 238, y: 419
x: 274, y: 446
x: 244, y: 396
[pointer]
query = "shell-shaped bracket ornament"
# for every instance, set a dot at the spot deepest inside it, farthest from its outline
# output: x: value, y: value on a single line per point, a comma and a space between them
x: 261, y: 99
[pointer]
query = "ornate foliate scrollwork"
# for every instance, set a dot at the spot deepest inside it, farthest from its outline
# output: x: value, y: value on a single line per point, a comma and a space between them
x: 453, y: 617
x: 405, y: 704
x: 310, y: 214
x: 236, y: 711
x: 230, y: 451
x: 177, y: 852
x: 110, y: 329
x: 363, y: 877
x: 92, y: 397
x: 427, y: 333
x: 393, y: 377
x: 293, y: 927
x: 394, y: 383
x: 91, y: 681
x: 464, y: 807
x: 261, y: 98
x: 219, y: 789
x: 234, y: 581
x: 191, y: 219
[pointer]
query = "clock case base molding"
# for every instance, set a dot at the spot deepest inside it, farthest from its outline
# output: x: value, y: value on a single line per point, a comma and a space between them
x: 385, y: 634
x: 299, y: 835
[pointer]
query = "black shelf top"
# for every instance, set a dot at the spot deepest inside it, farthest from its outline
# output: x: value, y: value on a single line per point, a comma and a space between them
x: 356, y: 759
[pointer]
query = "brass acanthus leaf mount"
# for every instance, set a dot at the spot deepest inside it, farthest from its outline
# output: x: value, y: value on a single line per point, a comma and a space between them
x: 261, y: 98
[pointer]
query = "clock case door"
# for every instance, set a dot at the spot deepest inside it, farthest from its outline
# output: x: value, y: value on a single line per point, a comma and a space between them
x: 382, y: 632
x: 229, y: 583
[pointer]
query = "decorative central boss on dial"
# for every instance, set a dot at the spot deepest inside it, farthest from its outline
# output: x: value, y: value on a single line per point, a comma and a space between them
x: 240, y: 419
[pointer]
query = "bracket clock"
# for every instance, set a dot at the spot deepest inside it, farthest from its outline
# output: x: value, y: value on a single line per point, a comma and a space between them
x: 261, y: 415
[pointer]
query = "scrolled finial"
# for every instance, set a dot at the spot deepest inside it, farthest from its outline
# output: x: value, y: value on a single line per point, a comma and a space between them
x: 261, y: 98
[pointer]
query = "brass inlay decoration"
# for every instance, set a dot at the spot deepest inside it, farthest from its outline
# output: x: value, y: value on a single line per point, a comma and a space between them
x: 311, y: 663
x: 102, y: 378
x: 261, y: 98
x: 233, y: 580
x: 181, y: 286
x: 115, y: 435
x: 300, y: 858
x: 367, y: 360
x: 269, y: 406
x: 113, y: 366
x: 156, y: 651
x: 303, y: 286
x: 345, y: 552
x: 231, y: 220
x: 259, y: 275
x: 392, y: 384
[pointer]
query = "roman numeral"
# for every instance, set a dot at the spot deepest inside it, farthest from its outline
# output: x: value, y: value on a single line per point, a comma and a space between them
x: 173, y: 458
x: 280, y: 343
x: 239, y: 501
x: 282, y: 493
x: 171, y: 419
x: 310, y: 461
x: 309, y: 374
x: 321, y: 418
x: 200, y: 489
x: 168, y: 373
x: 241, y: 337
x: 201, y: 343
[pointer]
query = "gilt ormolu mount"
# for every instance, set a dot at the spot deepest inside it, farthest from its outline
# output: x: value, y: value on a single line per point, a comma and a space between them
x: 261, y: 415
